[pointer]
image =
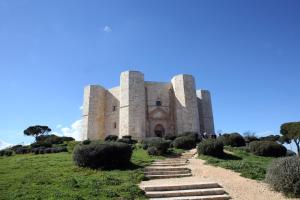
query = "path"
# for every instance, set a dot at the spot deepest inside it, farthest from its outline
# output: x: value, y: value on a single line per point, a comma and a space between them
x: 171, y: 179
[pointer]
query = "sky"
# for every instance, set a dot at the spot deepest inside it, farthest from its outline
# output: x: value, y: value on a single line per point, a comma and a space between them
x: 247, y: 53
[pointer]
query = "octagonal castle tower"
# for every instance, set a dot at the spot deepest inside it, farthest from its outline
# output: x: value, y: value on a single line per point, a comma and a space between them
x: 146, y: 109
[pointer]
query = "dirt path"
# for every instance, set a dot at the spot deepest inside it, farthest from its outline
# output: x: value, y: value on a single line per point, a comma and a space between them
x: 238, y: 187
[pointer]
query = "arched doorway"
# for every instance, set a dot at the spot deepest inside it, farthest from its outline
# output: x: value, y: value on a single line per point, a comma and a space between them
x: 159, y: 130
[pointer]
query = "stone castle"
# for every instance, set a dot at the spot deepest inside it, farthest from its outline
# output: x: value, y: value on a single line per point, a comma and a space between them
x: 146, y: 109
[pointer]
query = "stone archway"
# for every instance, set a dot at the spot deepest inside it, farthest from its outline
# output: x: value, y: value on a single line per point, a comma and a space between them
x: 159, y: 130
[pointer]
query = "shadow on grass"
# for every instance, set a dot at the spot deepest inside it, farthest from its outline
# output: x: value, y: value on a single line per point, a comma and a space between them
x: 227, y: 156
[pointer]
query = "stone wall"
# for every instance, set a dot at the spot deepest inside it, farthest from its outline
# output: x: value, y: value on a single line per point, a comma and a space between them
x: 132, y: 104
x: 205, y: 112
x: 112, y: 111
x: 93, y: 113
x: 187, y: 116
x: 155, y: 115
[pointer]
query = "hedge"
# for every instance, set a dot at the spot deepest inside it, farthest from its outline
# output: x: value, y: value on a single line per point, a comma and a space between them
x: 267, y: 148
x: 211, y: 147
x: 102, y: 155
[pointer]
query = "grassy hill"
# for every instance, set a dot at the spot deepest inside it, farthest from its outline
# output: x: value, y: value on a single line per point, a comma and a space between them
x: 238, y: 160
x: 54, y: 176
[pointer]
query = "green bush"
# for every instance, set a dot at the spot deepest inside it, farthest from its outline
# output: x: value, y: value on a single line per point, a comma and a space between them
x: 232, y: 139
x: 152, y: 151
x: 211, y: 147
x: 41, y: 144
x: 22, y: 150
x: 161, y: 144
x: 86, y: 142
x: 184, y: 142
x: 102, y: 155
x: 111, y: 138
x: 53, y: 139
x: 170, y: 137
x: 250, y: 138
x: 193, y: 135
x: 6, y: 152
x: 284, y: 175
x: 267, y: 148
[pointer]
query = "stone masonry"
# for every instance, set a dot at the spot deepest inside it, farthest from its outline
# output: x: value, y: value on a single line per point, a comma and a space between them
x: 146, y: 109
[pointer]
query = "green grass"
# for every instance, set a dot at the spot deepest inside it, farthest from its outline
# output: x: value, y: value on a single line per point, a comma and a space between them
x: 249, y: 165
x: 54, y: 176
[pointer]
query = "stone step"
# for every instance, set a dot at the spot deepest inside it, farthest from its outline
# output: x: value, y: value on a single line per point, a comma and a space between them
x: 202, y: 185
x: 149, y: 169
x: 179, y: 193
x: 209, y: 197
x: 170, y: 160
x: 168, y: 172
x: 168, y: 164
x: 168, y: 176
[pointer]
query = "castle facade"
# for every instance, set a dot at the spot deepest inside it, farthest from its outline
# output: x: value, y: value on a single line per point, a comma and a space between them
x: 146, y: 109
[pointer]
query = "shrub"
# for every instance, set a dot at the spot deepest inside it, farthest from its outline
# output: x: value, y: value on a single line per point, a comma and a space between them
x: 170, y: 137
x: 8, y: 152
x: 152, y: 151
x: 193, y: 135
x: 53, y: 139
x: 14, y: 148
x: 102, y: 155
x: 250, y: 138
x: 233, y: 139
x: 23, y: 150
x: 184, y: 142
x: 127, y: 137
x: 86, y: 142
x: 111, y: 138
x: 161, y: 144
x: 284, y: 175
x: 41, y: 144
x: 211, y: 147
x: 267, y: 148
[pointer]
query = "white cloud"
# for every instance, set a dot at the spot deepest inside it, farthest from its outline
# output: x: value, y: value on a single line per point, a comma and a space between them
x: 4, y: 145
x: 107, y: 29
x: 81, y: 107
x: 73, y: 131
x: 58, y: 126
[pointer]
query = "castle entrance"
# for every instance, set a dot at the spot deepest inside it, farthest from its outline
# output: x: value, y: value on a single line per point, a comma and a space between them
x: 159, y: 130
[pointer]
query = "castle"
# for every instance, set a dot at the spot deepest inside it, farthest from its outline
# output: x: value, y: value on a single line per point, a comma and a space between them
x: 146, y: 109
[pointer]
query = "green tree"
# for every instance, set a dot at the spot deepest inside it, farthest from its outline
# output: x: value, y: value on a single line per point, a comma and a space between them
x: 37, y: 130
x: 291, y: 133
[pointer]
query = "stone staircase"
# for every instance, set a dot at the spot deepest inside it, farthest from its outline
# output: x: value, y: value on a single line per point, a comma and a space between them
x: 168, y: 168
x: 168, y: 188
x: 194, y: 191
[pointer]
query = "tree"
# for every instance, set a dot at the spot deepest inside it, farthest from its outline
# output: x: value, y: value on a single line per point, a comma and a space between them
x: 291, y: 133
x: 37, y: 130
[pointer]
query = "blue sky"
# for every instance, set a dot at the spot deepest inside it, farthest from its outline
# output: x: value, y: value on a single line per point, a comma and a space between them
x: 247, y: 53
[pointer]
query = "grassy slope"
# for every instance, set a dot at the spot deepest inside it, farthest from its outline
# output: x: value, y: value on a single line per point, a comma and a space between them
x: 54, y: 176
x: 249, y: 165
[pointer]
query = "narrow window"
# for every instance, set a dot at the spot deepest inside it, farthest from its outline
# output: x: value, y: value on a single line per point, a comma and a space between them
x: 115, y: 124
x: 114, y: 108
x: 158, y: 103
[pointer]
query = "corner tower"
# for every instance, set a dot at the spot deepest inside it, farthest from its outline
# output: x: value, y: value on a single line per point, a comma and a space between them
x: 186, y: 108
x: 132, y: 104
x: 93, y: 113
x: 205, y: 112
